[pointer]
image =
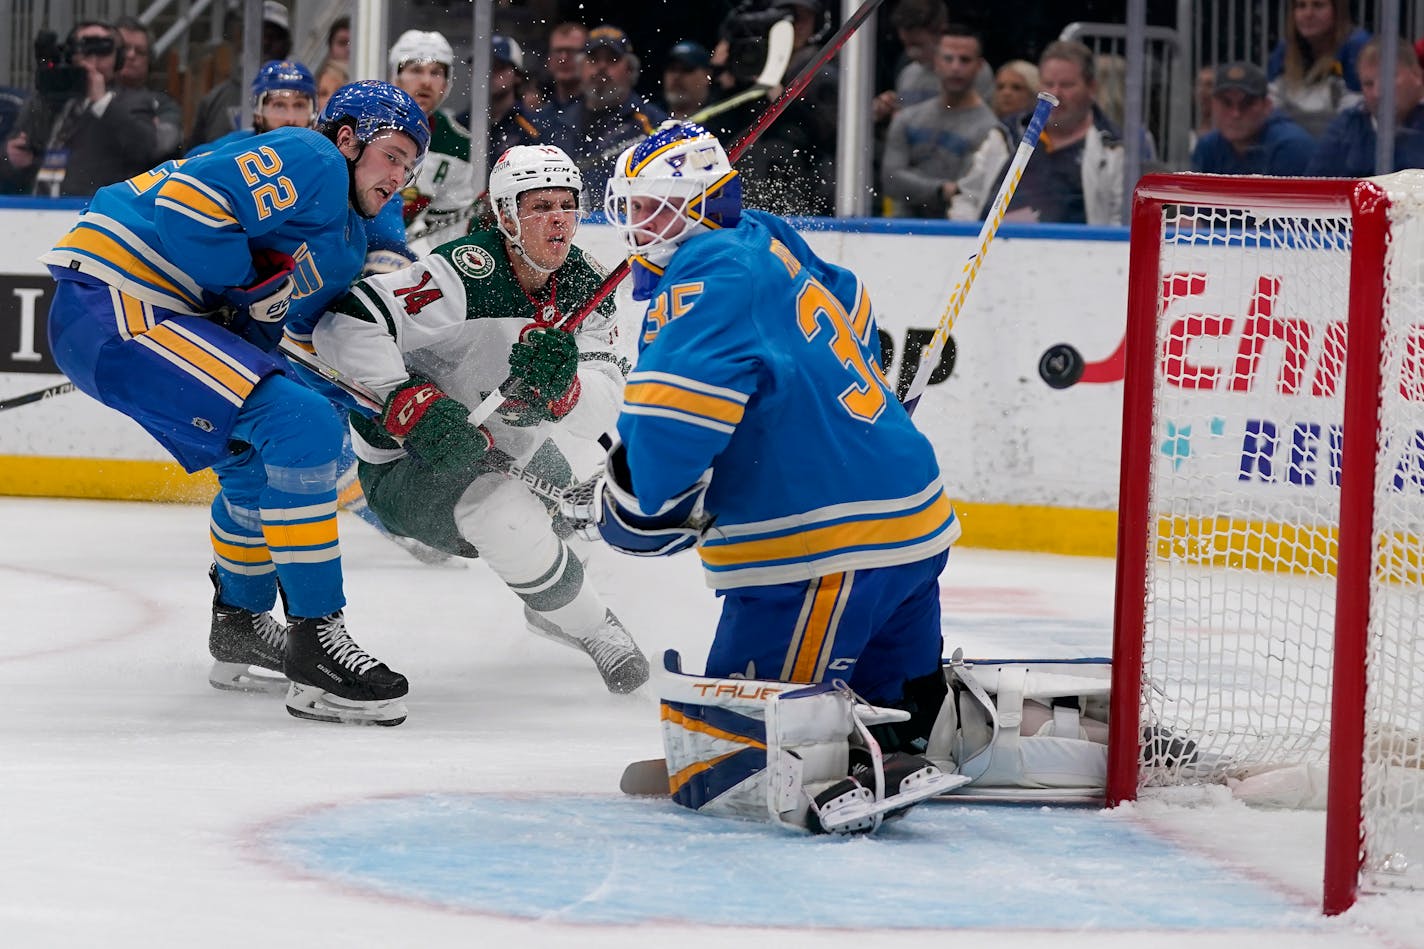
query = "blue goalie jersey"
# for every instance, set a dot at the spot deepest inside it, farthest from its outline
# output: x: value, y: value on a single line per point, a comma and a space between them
x: 180, y: 235
x: 758, y: 360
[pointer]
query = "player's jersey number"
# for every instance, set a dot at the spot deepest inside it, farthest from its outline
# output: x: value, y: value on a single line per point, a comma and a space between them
x: 817, y: 309
x: 271, y: 190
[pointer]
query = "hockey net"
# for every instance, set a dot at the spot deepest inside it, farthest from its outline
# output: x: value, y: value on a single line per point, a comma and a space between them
x: 1271, y: 537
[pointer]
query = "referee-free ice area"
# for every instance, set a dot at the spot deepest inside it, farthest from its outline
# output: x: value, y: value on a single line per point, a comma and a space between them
x: 141, y: 807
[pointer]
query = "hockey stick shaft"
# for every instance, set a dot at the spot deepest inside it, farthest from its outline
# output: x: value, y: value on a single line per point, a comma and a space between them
x: 28, y: 398
x: 929, y: 355
x: 367, y: 397
x: 748, y: 138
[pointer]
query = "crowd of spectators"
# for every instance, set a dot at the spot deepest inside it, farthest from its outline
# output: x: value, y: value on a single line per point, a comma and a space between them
x: 945, y: 128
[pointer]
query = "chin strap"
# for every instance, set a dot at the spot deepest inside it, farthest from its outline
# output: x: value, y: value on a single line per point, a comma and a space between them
x: 351, y: 195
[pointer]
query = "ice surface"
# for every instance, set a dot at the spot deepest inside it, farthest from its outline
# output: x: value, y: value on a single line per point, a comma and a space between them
x: 141, y: 807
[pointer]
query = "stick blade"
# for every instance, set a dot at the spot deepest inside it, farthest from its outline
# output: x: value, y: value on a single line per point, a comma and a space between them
x: 647, y: 778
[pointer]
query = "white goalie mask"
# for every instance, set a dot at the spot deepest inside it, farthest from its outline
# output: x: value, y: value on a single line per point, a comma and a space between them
x: 673, y: 185
x: 530, y: 168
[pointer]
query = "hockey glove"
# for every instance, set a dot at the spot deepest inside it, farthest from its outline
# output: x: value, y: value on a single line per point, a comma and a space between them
x: 674, y: 527
x: 267, y: 299
x: 545, y: 359
x: 525, y: 407
x: 435, y: 427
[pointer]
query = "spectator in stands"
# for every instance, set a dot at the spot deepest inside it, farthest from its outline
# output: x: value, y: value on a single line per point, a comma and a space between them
x: 331, y: 76
x: 220, y: 111
x: 509, y: 123
x: 1251, y: 137
x: 687, y: 80
x: 1076, y: 175
x: 918, y: 24
x: 1347, y: 149
x: 564, y: 96
x: 338, y: 41
x: 1201, y: 103
x: 134, y: 68
x: 611, y: 116
x: 74, y: 139
x: 930, y: 144
x: 1015, y: 88
x: 1312, y: 70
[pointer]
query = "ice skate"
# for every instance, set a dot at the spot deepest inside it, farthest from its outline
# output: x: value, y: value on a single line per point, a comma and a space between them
x: 335, y: 680
x: 247, y: 647
x: 619, y: 660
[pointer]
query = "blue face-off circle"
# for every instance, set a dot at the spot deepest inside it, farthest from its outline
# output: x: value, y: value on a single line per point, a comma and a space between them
x: 596, y: 859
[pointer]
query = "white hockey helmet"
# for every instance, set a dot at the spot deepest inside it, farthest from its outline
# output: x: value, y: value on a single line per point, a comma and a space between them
x: 529, y: 168
x: 682, y: 168
x: 421, y: 46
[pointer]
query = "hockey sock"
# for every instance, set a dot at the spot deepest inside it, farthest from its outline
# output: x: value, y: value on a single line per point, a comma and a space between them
x: 244, y: 566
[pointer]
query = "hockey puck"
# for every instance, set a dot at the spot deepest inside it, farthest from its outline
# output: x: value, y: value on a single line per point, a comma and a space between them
x: 1061, y: 366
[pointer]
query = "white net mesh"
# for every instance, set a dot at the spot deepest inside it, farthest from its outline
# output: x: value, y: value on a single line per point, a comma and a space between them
x: 1247, y: 438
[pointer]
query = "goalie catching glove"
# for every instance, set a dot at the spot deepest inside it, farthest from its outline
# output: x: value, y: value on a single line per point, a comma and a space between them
x: 268, y: 297
x: 608, y: 506
x: 436, y: 427
x: 545, y: 361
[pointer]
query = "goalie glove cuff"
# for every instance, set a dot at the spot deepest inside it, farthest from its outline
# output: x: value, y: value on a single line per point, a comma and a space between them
x: 675, y: 526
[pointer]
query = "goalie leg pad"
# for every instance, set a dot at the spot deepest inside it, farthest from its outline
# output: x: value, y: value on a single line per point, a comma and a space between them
x: 780, y: 752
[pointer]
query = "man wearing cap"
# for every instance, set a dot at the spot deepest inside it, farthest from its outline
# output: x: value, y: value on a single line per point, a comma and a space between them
x: 612, y: 116
x: 687, y: 80
x: 220, y: 111
x: 1347, y: 147
x: 510, y: 124
x: 1249, y: 136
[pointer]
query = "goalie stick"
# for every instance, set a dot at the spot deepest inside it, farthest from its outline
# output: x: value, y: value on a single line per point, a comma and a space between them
x: 498, y: 460
x: 29, y: 398
x: 749, y: 138
x: 929, y: 355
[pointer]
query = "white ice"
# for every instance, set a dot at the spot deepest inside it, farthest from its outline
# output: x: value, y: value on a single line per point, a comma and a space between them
x: 134, y: 797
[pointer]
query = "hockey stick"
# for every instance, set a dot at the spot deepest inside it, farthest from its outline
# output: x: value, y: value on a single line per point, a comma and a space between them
x: 929, y: 355
x: 16, y: 401
x: 498, y: 460
x: 798, y: 85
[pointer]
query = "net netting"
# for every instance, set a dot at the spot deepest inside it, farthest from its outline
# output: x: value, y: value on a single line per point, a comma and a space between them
x: 1248, y: 438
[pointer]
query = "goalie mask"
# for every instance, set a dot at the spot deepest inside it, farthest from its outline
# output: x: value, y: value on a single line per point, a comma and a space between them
x: 673, y: 185
x: 530, y: 168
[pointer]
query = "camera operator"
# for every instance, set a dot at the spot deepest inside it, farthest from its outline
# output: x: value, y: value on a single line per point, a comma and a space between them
x: 78, y: 132
x: 791, y: 168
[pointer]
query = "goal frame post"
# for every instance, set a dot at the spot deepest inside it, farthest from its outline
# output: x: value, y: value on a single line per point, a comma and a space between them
x: 1367, y: 204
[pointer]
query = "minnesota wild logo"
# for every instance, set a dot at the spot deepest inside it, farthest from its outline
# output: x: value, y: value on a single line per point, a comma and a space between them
x: 473, y: 261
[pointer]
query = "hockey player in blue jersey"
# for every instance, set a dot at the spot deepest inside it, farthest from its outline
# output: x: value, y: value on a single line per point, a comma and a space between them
x: 757, y: 425
x: 172, y: 291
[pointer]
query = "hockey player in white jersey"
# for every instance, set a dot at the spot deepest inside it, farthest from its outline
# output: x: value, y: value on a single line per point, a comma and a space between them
x: 759, y: 428
x: 437, y: 337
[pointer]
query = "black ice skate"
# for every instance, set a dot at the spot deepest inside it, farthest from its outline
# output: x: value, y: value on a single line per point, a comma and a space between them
x: 335, y: 680
x: 247, y: 647
x: 619, y: 660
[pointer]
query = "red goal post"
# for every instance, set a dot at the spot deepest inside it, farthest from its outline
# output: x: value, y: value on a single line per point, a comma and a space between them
x: 1269, y: 572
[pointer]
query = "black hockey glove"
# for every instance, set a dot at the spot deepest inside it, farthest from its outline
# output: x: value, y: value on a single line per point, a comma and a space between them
x: 435, y: 427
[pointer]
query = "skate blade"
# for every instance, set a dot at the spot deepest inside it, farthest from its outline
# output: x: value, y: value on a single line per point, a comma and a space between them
x: 238, y: 677
x: 315, y: 705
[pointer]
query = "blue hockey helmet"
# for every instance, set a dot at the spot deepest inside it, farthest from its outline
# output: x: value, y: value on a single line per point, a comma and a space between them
x: 284, y: 75
x: 374, y: 107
